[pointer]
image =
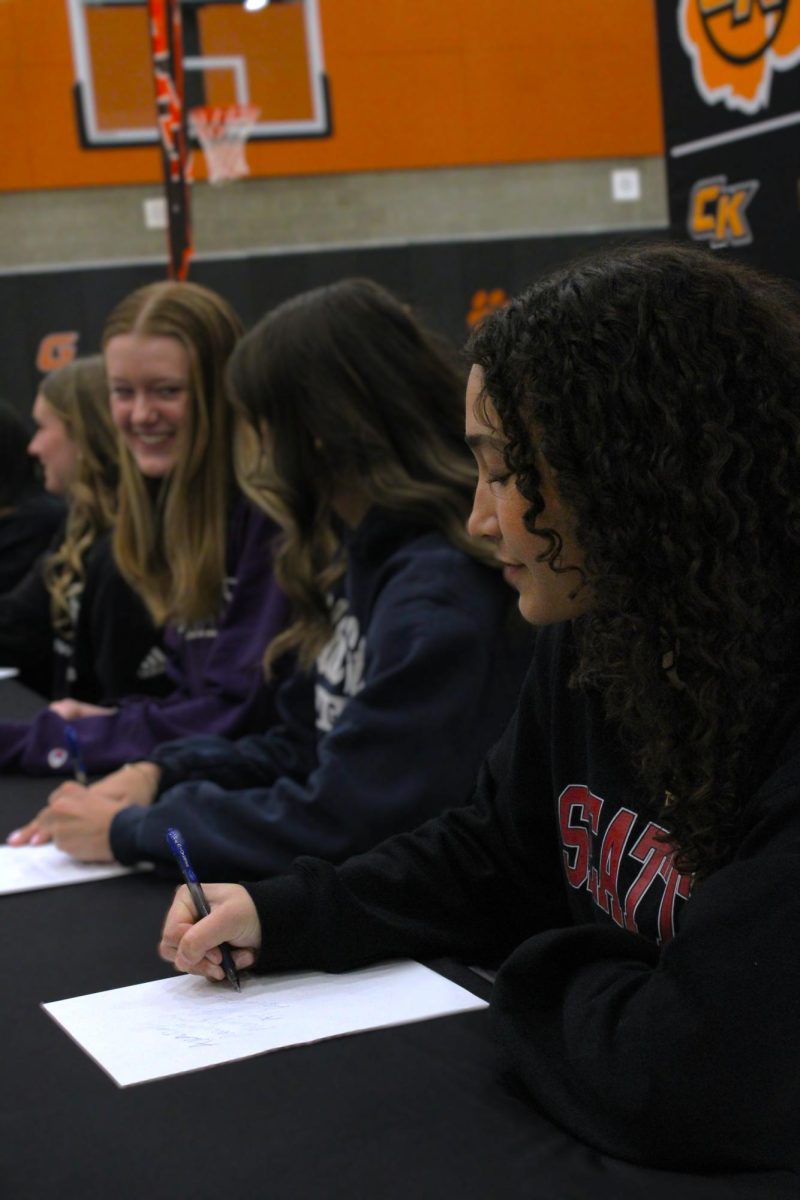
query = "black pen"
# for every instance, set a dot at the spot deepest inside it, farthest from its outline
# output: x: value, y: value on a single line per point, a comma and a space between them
x: 74, y: 748
x: 176, y: 845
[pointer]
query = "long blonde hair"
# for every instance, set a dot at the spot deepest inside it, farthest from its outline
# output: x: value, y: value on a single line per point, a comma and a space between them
x: 170, y: 539
x: 78, y: 395
x: 351, y: 390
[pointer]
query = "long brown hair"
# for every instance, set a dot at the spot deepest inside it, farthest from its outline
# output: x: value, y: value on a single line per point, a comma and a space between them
x: 78, y: 395
x: 349, y: 389
x: 662, y: 386
x: 170, y: 539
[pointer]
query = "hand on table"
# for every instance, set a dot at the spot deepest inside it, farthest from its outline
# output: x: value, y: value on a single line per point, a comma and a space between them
x: 77, y: 819
x: 192, y: 943
x: 73, y: 710
x: 135, y: 783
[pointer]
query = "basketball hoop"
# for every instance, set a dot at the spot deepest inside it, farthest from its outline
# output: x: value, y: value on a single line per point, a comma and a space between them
x: 222, y: 133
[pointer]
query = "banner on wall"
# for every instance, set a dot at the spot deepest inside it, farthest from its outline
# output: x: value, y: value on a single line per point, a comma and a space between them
x: 50, y: 315
x: 730, y: 77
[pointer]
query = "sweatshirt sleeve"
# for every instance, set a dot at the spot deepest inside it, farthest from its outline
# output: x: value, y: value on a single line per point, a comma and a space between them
x: 472, y: 882
x: 681, y: 1056
x: 406, y: 745
x: 221, y: 692
x: 289, y: 748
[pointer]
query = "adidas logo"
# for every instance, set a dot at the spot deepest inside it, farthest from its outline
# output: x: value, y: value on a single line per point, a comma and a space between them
x: 154, y: 663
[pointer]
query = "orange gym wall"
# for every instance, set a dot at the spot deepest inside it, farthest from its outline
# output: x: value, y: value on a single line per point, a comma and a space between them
x: 417, y: 84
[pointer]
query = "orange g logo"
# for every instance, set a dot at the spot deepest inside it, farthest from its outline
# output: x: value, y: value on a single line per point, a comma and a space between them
x: 736, y: 46
x: 56, y: 350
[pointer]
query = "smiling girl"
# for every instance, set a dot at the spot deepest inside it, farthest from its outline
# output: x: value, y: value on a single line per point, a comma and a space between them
x: 185, y: 539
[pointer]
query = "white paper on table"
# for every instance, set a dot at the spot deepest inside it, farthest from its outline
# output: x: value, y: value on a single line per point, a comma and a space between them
x: 8, y: 672
x: 186, y: 1023
x: 28, y: 868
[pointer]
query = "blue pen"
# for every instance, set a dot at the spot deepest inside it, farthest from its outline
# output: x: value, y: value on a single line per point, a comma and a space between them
x: 176, y: 845
x: 74, y: 748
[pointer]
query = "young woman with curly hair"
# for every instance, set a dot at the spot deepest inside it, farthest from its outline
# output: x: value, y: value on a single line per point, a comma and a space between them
x: 409, y: 665
x: 72, y: 625
x: 185, y: 539
x: 631, y: 855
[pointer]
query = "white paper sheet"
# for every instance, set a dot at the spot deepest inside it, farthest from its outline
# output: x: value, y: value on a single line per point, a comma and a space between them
x: 185, y: 1023
x: 27, y: 868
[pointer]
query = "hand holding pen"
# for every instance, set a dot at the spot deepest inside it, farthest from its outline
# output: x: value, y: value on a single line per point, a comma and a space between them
x: 178, y: 849
x: 192, y: 943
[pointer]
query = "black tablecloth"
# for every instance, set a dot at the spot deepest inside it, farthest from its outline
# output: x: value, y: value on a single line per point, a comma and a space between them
x: 418, y: 1111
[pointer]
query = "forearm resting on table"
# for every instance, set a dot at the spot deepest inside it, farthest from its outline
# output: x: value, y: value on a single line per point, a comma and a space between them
x: 135, y: 783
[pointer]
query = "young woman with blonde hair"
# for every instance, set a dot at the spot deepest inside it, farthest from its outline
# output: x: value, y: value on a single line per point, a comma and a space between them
x: 73, y: 626
x: 195, y: 550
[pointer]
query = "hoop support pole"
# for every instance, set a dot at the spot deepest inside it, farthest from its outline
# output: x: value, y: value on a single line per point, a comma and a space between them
x: 166, y: 45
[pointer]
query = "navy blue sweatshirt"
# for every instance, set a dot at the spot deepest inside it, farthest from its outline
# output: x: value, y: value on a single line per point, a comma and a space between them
x: 654, y: 1020
x: 417, y: 681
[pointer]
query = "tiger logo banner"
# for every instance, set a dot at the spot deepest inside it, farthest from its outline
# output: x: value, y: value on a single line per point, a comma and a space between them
x: 736, y: 46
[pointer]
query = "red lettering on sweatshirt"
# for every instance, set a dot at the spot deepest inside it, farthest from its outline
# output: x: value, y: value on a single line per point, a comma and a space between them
x: 656, y: 855
x: 579, y: 812
x: 651, y: 851
x: 675, y: 885
x: 604, y: 882
x: 578, y: 815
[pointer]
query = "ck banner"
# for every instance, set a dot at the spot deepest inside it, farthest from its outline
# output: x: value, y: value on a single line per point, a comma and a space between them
x: 730, y: 79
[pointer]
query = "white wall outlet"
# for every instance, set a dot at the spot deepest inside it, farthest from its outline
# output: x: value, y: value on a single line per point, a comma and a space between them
x: 155, y: 212
x: 626, y: 185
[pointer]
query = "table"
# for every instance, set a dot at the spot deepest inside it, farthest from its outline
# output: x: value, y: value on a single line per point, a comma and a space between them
x: 418, y: 1111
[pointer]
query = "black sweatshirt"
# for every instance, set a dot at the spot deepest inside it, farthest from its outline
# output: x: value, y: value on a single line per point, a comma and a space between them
x: 26, y: 531
x: 113, y: 648
x: 656, y: 1023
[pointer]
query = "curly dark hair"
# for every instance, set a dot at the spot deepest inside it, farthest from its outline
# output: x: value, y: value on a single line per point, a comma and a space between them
x: 661, y: 384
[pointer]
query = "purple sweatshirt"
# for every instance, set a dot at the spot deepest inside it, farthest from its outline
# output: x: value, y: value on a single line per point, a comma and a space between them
x: 215, y: 668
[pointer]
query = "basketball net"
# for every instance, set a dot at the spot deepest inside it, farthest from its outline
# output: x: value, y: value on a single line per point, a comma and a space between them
x: 222, y: 133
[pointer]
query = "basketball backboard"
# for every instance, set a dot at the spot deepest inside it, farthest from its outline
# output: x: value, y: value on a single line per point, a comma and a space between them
x: 271, y: 58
